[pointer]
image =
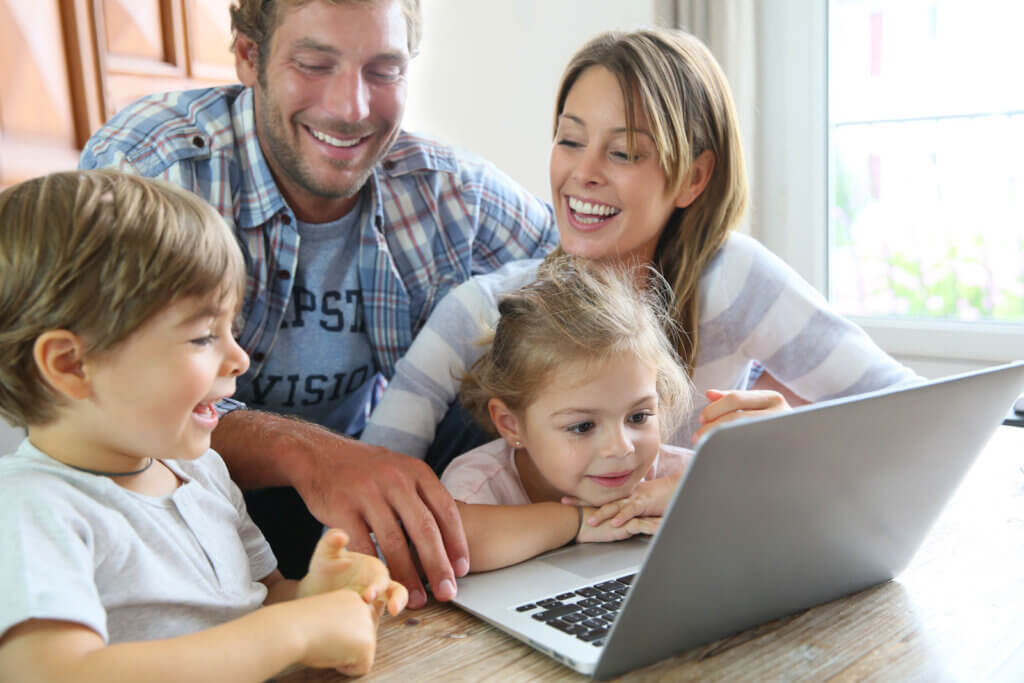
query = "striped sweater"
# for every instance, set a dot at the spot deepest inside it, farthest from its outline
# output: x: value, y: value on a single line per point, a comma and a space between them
x: 752, y: 307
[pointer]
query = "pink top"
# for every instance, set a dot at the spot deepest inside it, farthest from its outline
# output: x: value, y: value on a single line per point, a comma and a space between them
x: 487, y: 474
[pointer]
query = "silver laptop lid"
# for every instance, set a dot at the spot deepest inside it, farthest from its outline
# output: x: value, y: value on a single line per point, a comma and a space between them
x: 781, y: 513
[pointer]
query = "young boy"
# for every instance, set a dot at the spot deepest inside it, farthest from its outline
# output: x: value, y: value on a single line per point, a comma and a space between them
x: 128, y: 553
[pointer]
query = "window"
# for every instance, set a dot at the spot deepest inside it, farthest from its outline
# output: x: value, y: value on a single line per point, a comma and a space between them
x: 889, y: 168
x: 926, y: 162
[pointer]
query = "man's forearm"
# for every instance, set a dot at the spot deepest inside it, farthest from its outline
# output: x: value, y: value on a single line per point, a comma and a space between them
x: 263, y: 450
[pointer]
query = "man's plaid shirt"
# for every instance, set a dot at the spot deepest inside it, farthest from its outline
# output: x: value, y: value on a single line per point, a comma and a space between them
x: 438, y: 216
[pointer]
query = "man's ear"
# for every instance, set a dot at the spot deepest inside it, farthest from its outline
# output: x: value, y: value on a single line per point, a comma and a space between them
x: 698, y: 176
x: 505, y: 421
x: 59, y: 355
x: 247, y: 60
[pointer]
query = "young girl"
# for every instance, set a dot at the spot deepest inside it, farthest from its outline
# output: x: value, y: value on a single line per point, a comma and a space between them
x: 581, y: 383
x: 128, y: 553
x: 647, y: 167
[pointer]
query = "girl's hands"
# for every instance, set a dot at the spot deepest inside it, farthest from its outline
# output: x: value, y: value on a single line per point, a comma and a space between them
x: 649, y: 499
x: 335, y: 568
x: 605, y: 532
x: 738, y: 404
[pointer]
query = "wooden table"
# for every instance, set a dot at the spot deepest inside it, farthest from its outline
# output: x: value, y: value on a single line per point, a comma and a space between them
x: 957, y: 614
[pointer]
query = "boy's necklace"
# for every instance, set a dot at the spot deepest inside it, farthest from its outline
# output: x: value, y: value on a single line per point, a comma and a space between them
x: 114, y: 474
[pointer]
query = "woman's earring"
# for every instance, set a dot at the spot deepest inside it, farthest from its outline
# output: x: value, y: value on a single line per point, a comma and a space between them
x: 519, y: 444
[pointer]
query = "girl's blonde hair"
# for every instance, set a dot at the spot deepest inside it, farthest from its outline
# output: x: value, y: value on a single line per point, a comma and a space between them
x: 577, y: 311
x: 98, y: 253
x: 687, y: 102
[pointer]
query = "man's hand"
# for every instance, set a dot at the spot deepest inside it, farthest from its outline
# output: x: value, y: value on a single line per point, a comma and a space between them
x: 335, y: 568
x: 358, y: 488
x: 738, y: 404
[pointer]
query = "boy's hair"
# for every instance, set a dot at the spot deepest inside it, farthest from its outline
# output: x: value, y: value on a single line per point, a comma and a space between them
x: 685, y: 97
x: 578, y: 311
x: 98, y: 253
x: 258, y: 19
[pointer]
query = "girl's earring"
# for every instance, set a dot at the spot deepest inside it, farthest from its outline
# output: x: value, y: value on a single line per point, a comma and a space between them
x: 519, y: 444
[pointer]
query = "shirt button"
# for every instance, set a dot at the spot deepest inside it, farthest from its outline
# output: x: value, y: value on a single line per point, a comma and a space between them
x: 199, y: 142
x: 283, y: 274
x: 286, y: 219
x: 389, y: 165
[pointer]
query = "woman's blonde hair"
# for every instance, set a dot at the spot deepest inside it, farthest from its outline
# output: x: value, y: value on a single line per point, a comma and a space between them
x: 688, y: 105
x: 98, y: 253
x: 577, y: 311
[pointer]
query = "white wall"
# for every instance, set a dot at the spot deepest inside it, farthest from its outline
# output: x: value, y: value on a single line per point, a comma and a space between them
x: 487, y: 71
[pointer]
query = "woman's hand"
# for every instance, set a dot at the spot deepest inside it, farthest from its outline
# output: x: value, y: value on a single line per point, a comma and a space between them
x: 738, y: 404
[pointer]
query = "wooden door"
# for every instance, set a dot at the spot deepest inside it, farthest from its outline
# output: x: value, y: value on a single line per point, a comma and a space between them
x: 66, y: 66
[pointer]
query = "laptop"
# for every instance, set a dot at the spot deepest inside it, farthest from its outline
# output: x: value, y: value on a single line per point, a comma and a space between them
x: 775, y: 515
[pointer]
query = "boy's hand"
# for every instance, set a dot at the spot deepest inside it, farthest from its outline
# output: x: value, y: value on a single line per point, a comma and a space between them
x: 335, y: 568
x: 339, y: 631
x: 649, y: 499
x: 605, y: 532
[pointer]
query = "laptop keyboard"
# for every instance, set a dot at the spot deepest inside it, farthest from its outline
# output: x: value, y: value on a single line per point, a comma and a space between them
x: 586, y: 613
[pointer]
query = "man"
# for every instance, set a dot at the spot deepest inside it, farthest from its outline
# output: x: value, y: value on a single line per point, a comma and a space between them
x: 352, y: 230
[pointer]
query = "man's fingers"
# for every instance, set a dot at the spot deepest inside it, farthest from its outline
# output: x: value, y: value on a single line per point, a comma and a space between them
x: 393, y: 545
x: 382, y: 491
x: 424, y: 533
x: 448, y: 522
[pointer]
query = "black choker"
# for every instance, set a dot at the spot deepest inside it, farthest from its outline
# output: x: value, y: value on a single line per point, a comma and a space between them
x: 114, y: 474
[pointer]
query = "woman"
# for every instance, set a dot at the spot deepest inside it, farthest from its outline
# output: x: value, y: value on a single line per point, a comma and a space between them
x: 647, y: 168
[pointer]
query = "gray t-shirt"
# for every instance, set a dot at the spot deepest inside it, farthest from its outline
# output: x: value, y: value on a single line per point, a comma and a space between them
x: 77, y: 547
x: 321, y: 366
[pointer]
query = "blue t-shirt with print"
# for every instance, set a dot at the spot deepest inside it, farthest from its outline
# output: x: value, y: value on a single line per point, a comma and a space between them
x: 321, y: 366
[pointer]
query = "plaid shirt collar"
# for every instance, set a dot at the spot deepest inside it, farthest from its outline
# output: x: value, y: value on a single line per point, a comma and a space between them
x: 259, y: 200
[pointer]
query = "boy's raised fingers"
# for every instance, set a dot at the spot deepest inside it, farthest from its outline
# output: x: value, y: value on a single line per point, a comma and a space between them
x: 331, y: 544
x: 398, y: 598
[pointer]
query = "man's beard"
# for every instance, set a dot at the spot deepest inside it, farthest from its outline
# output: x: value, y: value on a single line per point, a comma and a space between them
x: 291, y: 164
